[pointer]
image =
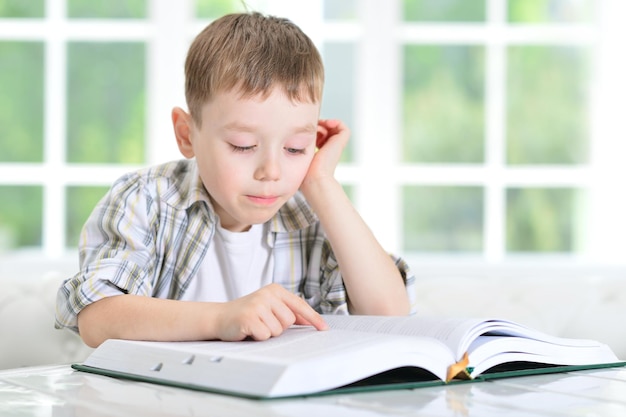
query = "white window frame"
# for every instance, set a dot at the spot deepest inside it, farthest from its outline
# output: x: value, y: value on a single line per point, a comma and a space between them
x: 376, y: 173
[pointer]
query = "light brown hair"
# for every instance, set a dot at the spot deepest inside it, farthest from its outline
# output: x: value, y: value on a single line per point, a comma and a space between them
x: 252, y: 53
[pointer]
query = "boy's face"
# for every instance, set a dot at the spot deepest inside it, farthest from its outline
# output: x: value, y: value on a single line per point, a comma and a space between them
x: 252, y: 153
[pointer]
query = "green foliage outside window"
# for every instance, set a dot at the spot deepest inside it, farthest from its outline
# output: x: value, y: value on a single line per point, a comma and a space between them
x: 544, y: 11
x: 444, y: 10
x: 443, y: 112
x: 211, y: 9
x: 117, y: 9
x: 541, y: 219
x: 547, y: 108
x: 443, y: 219
x: 21, y: 101
x: 21, y: 215
x: 22, y: 8
x: 106, y: 103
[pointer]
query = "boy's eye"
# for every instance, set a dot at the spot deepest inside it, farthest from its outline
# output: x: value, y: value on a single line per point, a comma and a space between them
x: 242, y: 148
x: 294, y: 151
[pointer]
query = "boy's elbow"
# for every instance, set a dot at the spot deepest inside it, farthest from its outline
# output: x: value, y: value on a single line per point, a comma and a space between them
x: 89, y: 328
x: 91, y: 341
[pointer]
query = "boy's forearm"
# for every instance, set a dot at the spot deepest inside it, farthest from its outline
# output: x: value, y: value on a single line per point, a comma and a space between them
x: 145, y: 318
x: 260, y: 315
x: 373, y: 282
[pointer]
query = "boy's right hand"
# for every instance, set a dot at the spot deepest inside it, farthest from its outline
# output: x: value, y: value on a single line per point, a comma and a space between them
x: 332, y: 138
x: 265, y: 313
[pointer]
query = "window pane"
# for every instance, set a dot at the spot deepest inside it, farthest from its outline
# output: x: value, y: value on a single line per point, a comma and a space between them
x: 21, y: 102
x: 547, y: 109
x: 340, y: 10
x: 339, y: 59
x: 106, y: 102
x: 541, y: 219
x: 544, y: 11
x: 443, y: 104
x: 445, y: 219
x: 21, y: 8
x: 215, y: 8
x: 80, y: 203
x: 134, y: 9
x: 444, y: 11
x: 20, y: 216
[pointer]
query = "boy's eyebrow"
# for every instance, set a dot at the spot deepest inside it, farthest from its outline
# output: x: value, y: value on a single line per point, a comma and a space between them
x: 308, y: 128
x: 242, y: 127
x: 238, y: 127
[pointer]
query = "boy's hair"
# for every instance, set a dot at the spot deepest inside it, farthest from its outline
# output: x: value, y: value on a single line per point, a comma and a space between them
x: 252, y: 53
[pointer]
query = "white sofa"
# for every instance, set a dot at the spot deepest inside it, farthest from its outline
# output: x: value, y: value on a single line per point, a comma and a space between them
x: 27, y: 305
x: 570, y: 302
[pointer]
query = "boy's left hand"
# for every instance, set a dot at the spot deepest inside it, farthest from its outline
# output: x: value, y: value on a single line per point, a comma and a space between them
x: 332, y: 137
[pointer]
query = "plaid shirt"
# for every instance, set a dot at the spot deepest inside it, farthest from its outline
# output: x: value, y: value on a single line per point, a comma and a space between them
x: 149, y: 234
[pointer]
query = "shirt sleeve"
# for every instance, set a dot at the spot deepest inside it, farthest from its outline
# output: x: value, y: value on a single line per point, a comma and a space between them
x: 333, y: 297
x: 409, y: 281
x: 116, y: 246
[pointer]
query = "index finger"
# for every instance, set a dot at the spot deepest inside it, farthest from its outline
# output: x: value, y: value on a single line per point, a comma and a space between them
x: 304, y: 312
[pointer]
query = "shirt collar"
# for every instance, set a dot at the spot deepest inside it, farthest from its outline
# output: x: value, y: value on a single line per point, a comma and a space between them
x: 296, y: 214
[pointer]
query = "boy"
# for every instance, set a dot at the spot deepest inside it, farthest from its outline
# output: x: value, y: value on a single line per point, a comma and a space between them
x: 251, y: 233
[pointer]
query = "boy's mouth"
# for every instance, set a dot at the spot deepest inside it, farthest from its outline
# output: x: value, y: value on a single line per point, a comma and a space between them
x: 262, y: 200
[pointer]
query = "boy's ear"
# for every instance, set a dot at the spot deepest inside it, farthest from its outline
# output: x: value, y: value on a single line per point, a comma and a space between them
x: 182, y: 130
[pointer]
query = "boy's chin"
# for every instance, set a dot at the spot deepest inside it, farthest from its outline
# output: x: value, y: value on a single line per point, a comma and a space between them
x: 259, y: 218
x: 262, y: 219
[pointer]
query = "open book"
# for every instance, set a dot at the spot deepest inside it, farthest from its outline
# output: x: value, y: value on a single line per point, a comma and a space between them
x: 357, y: 353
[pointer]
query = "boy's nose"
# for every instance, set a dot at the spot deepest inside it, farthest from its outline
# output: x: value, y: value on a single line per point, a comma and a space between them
x: 268, y: 169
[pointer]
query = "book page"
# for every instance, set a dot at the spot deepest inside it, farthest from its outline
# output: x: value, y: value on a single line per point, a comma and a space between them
x: 461, y: 334
x: 296, y: 344
x: 450, y: 331
x: 489, y: 351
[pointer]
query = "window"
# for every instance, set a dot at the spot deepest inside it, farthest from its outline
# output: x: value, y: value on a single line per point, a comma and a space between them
x: 482, y: 129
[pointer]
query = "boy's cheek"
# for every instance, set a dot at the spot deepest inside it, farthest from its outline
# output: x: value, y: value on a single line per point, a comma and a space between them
x: 305, y: 169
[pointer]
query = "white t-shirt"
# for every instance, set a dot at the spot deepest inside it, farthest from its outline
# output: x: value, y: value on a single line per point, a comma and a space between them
x: 236, y: 264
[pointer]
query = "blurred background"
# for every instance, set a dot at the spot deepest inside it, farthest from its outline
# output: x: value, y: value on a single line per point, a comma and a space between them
x: 485, y: 132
